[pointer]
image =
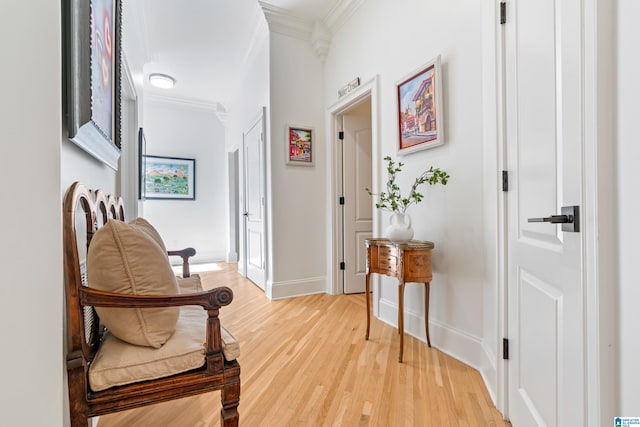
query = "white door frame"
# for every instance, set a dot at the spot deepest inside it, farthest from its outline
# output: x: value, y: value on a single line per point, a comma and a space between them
x: 242, y: 267
x: 128, y: 174
x: 233, y: 171
x: 597, y: 211
x: 367, y: 89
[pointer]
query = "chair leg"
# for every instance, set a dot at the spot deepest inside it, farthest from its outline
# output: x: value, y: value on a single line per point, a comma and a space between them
x: 78, y: 419
x: 229, y: 415
x: 78, y: 410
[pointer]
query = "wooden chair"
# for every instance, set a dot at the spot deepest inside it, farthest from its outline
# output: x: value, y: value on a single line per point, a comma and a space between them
x: 84, y: 211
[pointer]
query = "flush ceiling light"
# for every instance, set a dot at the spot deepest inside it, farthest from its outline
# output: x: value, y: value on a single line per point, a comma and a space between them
x: 162, y: 81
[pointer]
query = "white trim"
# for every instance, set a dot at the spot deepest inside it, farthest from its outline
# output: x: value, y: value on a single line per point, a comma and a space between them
x: 368, y: 89
x: 189, y: 103
x: 281, y: 21
x: 266, y: 205
x: 128, y: 174
x: 494, y: 162
x: 296, y: 288
x: 258, y: 38
x: 340, y: 13
x: 598, y: 226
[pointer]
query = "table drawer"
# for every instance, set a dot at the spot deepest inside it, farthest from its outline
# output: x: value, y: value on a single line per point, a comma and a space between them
x: 387, y: 262
x: 386, y: 251
x: 387, y: 258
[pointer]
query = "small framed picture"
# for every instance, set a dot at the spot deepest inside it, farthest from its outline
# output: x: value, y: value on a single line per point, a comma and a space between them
x: 420, y: 120
x: 169, y: 178
x: 300, y: 140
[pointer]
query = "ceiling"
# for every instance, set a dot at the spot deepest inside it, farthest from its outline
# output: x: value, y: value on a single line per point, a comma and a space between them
x: 201, y: 43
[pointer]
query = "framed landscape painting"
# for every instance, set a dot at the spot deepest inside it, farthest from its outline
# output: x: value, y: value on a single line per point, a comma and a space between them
x: 420, y: 121
x: 169, y: 178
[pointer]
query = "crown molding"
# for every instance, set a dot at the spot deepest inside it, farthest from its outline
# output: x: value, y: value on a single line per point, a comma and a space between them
x: 185, y: 102
x: 321, y: 39
x: 340, y: 12
x: 282, y: 21
x: 257, y: 38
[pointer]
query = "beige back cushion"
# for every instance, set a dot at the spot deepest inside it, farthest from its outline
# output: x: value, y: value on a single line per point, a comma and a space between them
x: 146, y: 226
x: 124, y: 258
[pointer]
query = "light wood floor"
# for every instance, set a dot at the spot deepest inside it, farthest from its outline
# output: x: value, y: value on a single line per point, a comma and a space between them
x: 305, y: 362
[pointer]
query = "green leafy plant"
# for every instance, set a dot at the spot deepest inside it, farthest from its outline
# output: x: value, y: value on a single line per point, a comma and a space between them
x: 392, y: 199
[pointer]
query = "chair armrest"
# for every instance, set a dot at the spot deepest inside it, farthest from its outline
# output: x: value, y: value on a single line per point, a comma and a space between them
x: 184, y: 254
x: 210, y: 300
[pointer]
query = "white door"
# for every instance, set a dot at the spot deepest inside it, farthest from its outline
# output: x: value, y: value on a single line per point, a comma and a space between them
x: 358, y: 215
x: 546, y: 325
x: 254, y: 256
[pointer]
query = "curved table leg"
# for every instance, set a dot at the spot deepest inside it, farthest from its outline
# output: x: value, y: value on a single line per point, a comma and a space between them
x: 426, y: 311
x: 401, y: 319
x: 367, y: 297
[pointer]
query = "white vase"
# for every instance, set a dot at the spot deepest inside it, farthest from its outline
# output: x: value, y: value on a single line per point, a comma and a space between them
x: 399, y: 229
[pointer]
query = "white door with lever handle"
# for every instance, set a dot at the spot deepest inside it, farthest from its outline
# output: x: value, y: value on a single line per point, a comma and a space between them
x: 546, y: 326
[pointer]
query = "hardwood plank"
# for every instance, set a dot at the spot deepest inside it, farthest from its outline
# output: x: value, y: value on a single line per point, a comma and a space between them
x: 305, y: 362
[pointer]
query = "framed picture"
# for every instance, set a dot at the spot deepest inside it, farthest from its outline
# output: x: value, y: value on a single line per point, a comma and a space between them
x: 300, y: 145
x: 92, y: 76
x: 169, y: 178
x: 420, y: 121
x: 142, y: 163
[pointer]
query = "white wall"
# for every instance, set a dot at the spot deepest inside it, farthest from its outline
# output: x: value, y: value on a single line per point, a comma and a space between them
x: 32, y: 368
x: 252, y: 95
x: 182, y: 129
x: 298, y: 210
x: 77, y: 165
x: 628, y: 178
x: 452, y: 217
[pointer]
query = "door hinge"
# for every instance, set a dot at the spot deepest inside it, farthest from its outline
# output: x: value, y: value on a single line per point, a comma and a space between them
x: 342, y: 266
x: 505, y: 181
x: 341, y: 136
x: 503, y: 13
x: 505, y: 348
x: 342, y: 200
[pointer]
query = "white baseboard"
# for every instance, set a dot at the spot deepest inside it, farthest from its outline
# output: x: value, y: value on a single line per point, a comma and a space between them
x: 200, y: 258
x: 232, y: 257
x: 296, y: 288
x: 489, y: 371
x: 458, y: 344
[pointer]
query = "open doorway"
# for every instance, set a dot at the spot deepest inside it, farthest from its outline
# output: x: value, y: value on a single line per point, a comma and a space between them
x: 254, y: 254
x: 353, y: 157
x: 233, y: 159
x: 354, y: 174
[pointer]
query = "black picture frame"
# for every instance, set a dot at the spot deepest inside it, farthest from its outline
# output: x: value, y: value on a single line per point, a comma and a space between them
x: 169, y: 178
x: 93, y: 79
x: 142, y: 151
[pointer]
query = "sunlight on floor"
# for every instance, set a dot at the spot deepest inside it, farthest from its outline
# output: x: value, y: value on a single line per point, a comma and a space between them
x: 198, y: 268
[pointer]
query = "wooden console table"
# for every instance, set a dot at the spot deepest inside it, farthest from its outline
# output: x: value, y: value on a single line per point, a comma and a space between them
x: 408, y: 262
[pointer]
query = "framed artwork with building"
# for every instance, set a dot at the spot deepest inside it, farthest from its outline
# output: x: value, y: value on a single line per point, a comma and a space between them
x: 300, y: 140
x: 420, y: 121
x: 92, y: 31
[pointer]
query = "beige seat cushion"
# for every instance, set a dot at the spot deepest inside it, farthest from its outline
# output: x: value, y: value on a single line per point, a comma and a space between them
x: 119, y: 363
x: 189, y: 284
x: 124, y: 258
